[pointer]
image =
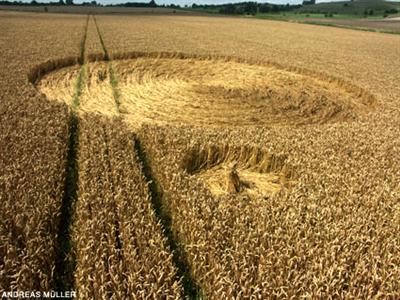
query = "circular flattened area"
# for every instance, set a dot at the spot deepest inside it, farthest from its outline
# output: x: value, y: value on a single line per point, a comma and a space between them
x: 199, y: 91
x: 238, y: 170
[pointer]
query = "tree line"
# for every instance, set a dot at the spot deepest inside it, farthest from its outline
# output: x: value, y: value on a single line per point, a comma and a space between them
x: 249, y: 8
x: 152, y: 3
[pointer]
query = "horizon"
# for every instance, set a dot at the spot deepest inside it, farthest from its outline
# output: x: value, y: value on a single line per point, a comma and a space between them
x: 190, y: 2
x: 185, y: 2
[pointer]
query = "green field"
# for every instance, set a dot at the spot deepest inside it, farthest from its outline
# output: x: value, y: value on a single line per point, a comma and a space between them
x: 304, y: 16
x: 358, y: 14
x: 359, y: 7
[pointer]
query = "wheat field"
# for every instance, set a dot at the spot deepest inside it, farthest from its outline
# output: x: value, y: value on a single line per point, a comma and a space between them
x: 194, y: 157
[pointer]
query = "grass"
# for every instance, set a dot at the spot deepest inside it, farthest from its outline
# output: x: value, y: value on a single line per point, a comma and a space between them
x: 82, y: 72
x: 80, y: 82
x: 113, y: 76
x: 114, y: 85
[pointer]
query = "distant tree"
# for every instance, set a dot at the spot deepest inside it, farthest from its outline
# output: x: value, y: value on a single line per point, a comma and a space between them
x: 33, y: 2
x: 69, y: 2
x: 250, y: 8
x: 152, y: 3
x: 391, y: 11
x: 228, y: 9
x: 264, y: 8
x: 275, y: 8
x: 61, y: 2
x: 308, y: 2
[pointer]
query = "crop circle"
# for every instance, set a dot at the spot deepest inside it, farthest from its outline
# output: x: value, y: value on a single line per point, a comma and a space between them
x: 210, y: 92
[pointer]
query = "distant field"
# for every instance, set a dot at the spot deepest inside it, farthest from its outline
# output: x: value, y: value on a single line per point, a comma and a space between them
x: 358, y: 7
x: 385, y: 25
x: 196, y: 157
x: 375, y: 22
x: 389, y: 24
x: 328, y: 14
x: 91, y: 9
x: 302, y: 16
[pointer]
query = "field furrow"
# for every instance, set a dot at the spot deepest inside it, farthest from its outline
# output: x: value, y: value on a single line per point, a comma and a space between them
x: 120, y: 249
x: 34, y: 138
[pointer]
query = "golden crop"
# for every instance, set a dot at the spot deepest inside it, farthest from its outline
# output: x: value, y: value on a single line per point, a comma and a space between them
x: 120, y: 250
x: 174, y: 157
x: 33, y: 147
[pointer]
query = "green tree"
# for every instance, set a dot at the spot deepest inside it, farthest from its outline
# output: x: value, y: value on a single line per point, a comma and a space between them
x: 250, y: 8
x: 264, y: 8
